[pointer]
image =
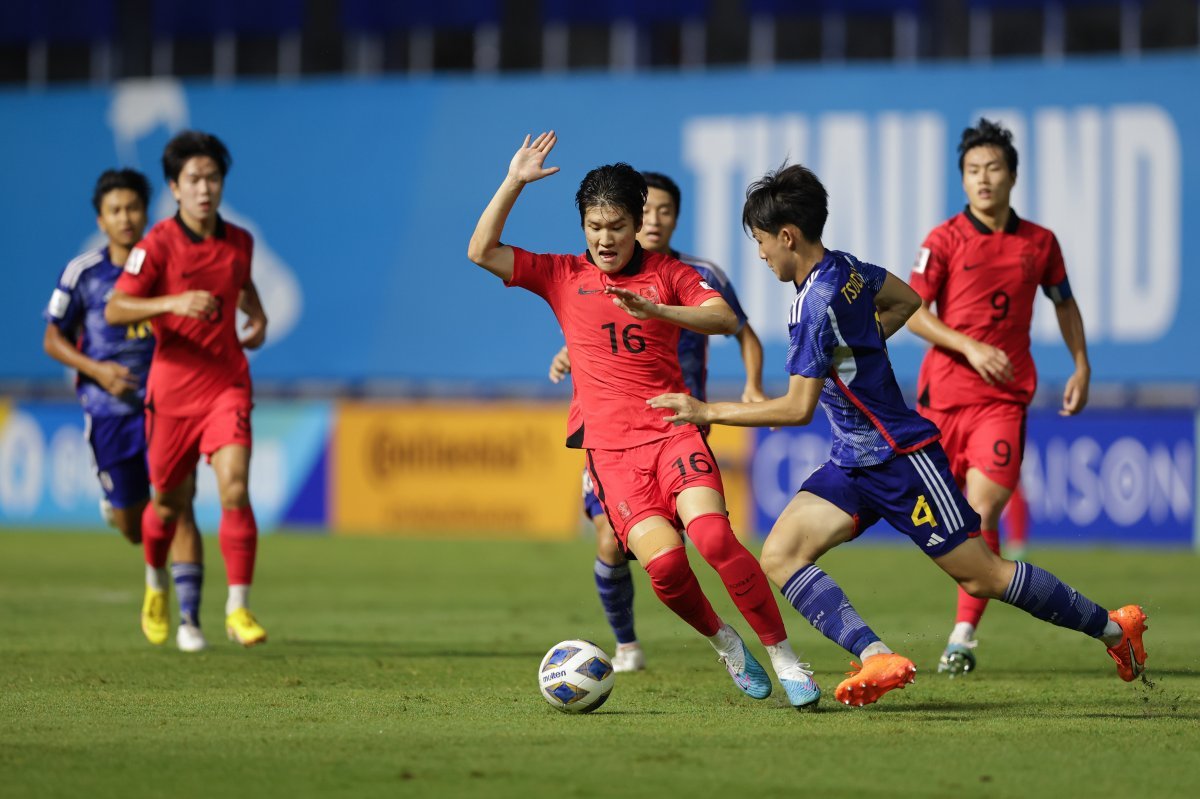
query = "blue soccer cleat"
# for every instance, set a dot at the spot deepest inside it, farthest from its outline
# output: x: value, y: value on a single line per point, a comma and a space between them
x: 958, y: 659
x: 747, y: 673
x: 802, y: 690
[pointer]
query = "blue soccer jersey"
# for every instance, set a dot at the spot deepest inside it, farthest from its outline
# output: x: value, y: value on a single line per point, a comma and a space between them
x: 835, y: 335
x: 693, y: 347
x: 77, y: 309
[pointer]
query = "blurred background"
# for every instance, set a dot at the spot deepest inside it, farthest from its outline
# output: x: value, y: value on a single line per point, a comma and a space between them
x: 404, y: 391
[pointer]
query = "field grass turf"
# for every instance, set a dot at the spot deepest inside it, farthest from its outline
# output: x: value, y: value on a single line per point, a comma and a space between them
x: 407, y: 668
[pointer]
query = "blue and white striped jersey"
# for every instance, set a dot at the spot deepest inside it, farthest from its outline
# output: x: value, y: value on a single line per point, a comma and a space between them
x: 693, y: 346
x: 835, y: 335
x: 77, y: 309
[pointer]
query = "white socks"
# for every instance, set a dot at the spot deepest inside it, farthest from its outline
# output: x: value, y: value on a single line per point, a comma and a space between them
x: 239, y: 597
x: 726, y: 641
x: 156, y: 578
x: 877, y: 648
x: 963, y: 633
x: 782, y: 656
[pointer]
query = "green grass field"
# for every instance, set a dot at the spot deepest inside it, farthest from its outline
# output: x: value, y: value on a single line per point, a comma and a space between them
x: 407, y: 668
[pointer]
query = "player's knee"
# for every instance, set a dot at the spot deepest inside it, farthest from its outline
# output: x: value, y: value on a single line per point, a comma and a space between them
x: 780, y: 560
x: 235, y: 493
x: 607, y: 548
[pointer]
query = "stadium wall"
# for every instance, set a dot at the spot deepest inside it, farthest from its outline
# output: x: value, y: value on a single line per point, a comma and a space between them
x: 482, y: 470
x: 362, y: 194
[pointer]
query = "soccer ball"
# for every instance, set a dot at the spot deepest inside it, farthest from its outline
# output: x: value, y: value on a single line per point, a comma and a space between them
x: 576, y: 676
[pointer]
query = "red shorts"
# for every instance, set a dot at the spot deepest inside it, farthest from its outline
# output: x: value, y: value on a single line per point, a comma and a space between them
x: 637, y: 483
x: 990, y: 438
x: 174, y: 444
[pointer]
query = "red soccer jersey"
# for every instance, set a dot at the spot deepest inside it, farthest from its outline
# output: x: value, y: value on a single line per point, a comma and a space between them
x: 195, y: 360
x: 617, y: 362
x: 984, y: 285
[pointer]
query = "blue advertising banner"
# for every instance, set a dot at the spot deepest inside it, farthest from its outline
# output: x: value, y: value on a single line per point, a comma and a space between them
x: 362, y: 196
x: 1123, y: 478
x: 48, y: 478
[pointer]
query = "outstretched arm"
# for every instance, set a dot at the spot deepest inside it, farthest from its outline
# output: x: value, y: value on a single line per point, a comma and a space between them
x: 794, y: 409
x: 1070, y: 322
x: 526, y: 166
x: 711, y: 317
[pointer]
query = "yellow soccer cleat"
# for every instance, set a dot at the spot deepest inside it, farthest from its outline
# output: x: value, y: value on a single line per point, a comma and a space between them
x: 875, y: 677
x: 241, y: 626
x: 155, y: 623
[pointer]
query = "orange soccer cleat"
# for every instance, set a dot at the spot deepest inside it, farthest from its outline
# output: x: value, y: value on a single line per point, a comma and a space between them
x: 878, y: 675
x: 1129, y: 653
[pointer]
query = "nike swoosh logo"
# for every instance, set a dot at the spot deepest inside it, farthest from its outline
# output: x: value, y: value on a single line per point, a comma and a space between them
x: 969, y: 267
x: 590, y: 291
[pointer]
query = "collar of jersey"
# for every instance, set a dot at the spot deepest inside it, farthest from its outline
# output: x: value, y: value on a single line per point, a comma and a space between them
x: 219, y: 232
x: 1010, y: 226
x: 630, y: 269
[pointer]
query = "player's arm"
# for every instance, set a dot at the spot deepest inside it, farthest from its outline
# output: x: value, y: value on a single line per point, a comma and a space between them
x: 793, y: 409
x: 128, y: 309
x: 525, y: 167
x: 1070, y: 322
x: 711, y: 317
x: 560, y: 365
x: 752, y: 360
x: 895, y: 304
x: 112, y: 376
x: 255, y: 329
x: 991, y: 363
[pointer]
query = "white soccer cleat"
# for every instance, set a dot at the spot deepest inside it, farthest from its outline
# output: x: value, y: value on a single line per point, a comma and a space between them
x: 629, y: 657
x: 189, y: 638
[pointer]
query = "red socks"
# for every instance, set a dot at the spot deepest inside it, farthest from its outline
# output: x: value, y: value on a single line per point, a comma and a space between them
x: 238, y: 535
x: 675, y: 584
x: 743, y: 576
x: 970, y: 609
x: 1016, y: 521
x: 156, y: 537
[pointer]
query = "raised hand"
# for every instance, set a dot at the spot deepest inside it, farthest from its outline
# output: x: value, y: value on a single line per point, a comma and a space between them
x: 686, y: 408
x: 527, y: 164
x: 631, y: 303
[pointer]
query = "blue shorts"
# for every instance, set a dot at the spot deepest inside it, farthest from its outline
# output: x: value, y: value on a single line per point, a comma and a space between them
x: 591, y: 505
x: 119, y: 448
x: 915, y: 493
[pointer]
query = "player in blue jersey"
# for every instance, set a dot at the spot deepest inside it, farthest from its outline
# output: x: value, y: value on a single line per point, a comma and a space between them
x: 886, y: 461
x: 614, y: 584
x: 111, y: 363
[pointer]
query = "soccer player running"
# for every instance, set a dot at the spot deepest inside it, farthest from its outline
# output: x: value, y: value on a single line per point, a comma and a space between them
x: 982, y: 268
x: 614, y: 583
x: 111, y: 363
x: 885, y: 461
x: 621, y: 309
x: 189, y: 276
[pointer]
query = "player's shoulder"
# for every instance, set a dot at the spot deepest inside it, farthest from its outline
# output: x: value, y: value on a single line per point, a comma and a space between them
x: 80, y: 264
x: 1033, y: 231
x: 714, y: 274
x: 951, y: 232
x: 236, y: 234
x: 816, y: 292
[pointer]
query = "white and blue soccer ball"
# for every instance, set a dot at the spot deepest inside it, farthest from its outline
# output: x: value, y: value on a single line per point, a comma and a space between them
x: 576, y: 676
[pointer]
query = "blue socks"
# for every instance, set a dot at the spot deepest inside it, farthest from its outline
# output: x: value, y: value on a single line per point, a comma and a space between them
x: 1041, y: 594
x: 188, y: 579
x: 615, y: 586
x: 820, y: 600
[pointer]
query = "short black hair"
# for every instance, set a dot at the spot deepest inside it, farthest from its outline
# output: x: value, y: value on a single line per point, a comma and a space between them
x: 789, y: 195
x: 618, y: 185
x: 657, y: 180
x: 988, y: 134
x: 190, y: 144
x: 112, y: 179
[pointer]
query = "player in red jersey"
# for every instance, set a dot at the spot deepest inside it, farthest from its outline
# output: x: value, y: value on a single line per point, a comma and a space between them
x: 189, y: 276
x: 621, y: 309
x: 982, y: 268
